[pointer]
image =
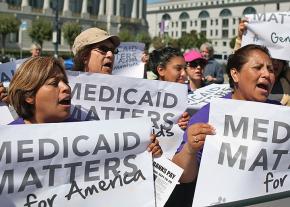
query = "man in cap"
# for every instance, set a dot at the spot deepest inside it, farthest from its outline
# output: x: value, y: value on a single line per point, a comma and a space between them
x: 94, y: 50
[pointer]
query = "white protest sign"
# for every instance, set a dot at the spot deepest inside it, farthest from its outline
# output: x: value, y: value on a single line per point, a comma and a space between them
x: 6, y: 116
x: 166, y: 176
x: 202, y: 96
x: 271, y: 30
x: 77, y: 164
x: 249, y: 155
x: 98, y: 97
x: 7, y: 71
x: 128, y: 60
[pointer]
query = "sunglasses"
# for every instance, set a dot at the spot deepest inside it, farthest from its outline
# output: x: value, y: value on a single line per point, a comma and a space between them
x: 104, y: 50
x: 196, y: 63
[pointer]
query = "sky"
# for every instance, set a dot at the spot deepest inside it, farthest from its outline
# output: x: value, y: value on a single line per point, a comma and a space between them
x: 154, y: 1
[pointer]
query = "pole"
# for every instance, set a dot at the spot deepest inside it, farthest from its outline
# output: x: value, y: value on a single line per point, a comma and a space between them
x: 56, y: 32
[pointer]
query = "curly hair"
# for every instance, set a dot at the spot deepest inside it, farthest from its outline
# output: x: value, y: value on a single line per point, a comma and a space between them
x: 160, y: 58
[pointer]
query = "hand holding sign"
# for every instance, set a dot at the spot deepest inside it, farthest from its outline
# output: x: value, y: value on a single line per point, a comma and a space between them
x: 196, y: 134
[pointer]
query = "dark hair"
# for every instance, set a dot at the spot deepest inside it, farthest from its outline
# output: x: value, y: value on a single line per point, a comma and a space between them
x: 240, y: 57
x: 161, y: 57
x: 81, y: 56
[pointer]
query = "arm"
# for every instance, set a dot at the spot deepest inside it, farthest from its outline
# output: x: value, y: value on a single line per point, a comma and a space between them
x: 187, y: 157
x: 219, y: 74
x: 241, y: 29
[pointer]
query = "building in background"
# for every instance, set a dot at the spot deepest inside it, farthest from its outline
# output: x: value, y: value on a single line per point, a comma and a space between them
x: 217, y: 19
x: 110, y: 15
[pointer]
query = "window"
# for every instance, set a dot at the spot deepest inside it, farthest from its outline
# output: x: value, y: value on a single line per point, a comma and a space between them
x: 191, y: 23
x: 234, y: 21
x: 224, y: 44
x: 172, y: 24
x: 234, y: 32
x: 195, y: 23
x: 203, y: 32
x: 183, y: 33
x: 176, y: 34
x: 225, y: 33
x: 216, y: 32
x: 203, y: 14
x: 184, y: 15
x: 216, y: 22
x: 225, y: 13
x: 211, y: 32
x: 211, y: 22
x: 176, y: 23
x: 225, y: 23
x: 183, y: 25
x: 249, y: 10
x: 278, y: 6
x: 203, y: 23
x: 215, y: 43
x: 166, y: 17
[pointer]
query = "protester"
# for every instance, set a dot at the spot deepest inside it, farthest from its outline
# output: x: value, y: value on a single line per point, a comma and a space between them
x: 40, y: 93
x: 169, y: 65
x: 251, y: 77
x: 35, y: 50
x: 281, y: 88
x: 194, y: 70
x: 94, y: 51
x: 213, y: 71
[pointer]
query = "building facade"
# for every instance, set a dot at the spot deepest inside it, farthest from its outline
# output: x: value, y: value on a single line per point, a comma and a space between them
x: 110, y: 15
x: 217, y: 19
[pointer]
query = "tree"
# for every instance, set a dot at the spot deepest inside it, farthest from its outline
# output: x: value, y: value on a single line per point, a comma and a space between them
x: 70, y: 32
x: 126, y: 36
x: 145, y: 38
x: 8, y: 24
x: 40, y: 31
x: 192, y: 40
x: 157, y: 42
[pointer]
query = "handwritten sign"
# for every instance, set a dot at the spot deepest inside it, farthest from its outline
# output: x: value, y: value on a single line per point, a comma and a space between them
x: 277, y: 37
x: 128, y: 60
x: 204, y: 95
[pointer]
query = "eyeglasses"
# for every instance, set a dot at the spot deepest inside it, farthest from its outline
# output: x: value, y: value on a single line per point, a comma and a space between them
x: 104, y: 50
x: 195, y: 64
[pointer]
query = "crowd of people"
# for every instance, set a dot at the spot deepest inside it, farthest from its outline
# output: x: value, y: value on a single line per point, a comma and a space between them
x: 40, y: 92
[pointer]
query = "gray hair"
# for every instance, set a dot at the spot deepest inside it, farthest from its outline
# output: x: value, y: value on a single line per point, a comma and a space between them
x: 209, y: 47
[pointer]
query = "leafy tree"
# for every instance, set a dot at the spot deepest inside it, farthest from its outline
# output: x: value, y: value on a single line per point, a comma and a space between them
x: 145, y: 38
x: 70, y: 31
x: 157, y: 42
x: 126, y: 36
x: 8, y: 24
x: 40, y: 31
x: 192, y: 40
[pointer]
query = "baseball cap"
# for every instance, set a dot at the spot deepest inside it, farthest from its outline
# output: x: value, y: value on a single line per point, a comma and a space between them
x: 91, y: 36
x: 193, y: 55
